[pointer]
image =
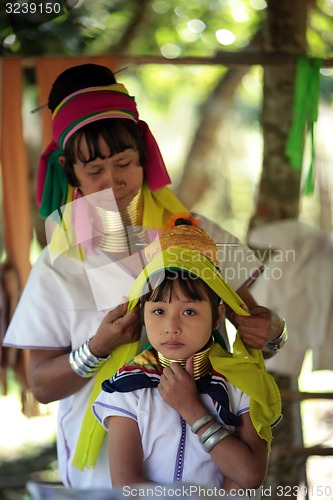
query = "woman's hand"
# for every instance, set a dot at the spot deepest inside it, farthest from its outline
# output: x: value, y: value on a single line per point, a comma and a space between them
x: 254, y: 330
x: 262, y: 326
x: 117, y: 328
x: 51, y: 376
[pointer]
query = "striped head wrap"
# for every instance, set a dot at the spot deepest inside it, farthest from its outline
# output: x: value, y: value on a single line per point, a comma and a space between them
x: 74, y: 112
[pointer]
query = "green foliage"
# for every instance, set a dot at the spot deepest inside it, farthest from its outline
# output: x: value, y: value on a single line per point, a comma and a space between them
x: 97, y: 26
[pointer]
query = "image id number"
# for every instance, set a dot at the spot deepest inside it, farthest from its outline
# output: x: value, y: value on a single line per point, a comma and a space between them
x: 32, y: 8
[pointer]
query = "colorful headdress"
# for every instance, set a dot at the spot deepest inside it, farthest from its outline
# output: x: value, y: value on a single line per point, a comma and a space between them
x: 191, y: 237
x: 185, y: 245
x: 74, y: 112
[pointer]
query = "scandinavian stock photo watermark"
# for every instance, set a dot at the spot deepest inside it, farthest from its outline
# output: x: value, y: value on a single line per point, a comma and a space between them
x: 74, y: 231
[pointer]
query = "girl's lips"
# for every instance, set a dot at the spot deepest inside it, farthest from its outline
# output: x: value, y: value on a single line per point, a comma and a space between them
x: 172, y: 343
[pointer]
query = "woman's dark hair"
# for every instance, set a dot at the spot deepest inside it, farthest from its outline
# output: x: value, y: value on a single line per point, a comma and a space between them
x: 194, y: 288
x: 77, y: 78
x: 119, y: 134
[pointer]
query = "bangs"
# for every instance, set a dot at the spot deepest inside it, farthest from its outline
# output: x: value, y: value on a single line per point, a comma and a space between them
x: 119, y: 134
x: 161, y: 287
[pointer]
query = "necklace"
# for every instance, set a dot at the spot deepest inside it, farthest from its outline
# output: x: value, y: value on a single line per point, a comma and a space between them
x: 201, y: 363
x: 121, y: 231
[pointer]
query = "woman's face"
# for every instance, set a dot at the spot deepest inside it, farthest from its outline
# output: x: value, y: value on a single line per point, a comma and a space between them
x: 121, y: 172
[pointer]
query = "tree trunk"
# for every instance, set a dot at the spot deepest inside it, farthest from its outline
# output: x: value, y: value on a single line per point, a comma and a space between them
x: 278, y: 196
x: 278, y: 199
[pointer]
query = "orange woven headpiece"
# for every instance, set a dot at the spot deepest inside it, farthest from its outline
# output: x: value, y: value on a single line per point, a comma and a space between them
x: 184, y: 231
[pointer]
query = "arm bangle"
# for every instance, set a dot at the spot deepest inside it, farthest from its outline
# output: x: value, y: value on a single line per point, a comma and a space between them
x: 84, y: 363
x: 75, y: 367
x: 201, y: 422
x: 216, y: 426
x: 215, y: 438
x: 278, y: 343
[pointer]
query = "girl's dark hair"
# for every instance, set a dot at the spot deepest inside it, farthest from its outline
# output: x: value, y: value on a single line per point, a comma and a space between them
x: 119, y: 134
x: 194, y: 288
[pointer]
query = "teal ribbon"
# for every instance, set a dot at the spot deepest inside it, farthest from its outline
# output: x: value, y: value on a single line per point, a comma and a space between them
x: 305, y: 114
x: 55, y: 187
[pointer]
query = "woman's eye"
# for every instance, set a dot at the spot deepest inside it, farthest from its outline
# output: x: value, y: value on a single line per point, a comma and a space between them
x: 123, y: 165
x: 96, y: 172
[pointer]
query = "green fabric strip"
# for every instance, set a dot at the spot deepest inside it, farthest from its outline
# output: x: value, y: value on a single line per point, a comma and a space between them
x: 55, y: 187
x: 305, y: 114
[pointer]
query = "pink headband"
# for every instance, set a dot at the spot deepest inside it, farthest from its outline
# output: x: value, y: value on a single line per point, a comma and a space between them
x: 99, y: 103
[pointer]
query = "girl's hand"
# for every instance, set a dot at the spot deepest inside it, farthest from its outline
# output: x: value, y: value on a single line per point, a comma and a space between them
x: 177, y: 387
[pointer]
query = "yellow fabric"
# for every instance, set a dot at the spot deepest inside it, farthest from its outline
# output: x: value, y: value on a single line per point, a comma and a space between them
x: 191, y: 261
x: 245, y: 367
x: 63, y: 235
x: 158, y: 206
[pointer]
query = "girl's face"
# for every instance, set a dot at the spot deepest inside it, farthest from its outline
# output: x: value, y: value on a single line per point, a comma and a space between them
x: 179, y: 327
x: 121, y: 172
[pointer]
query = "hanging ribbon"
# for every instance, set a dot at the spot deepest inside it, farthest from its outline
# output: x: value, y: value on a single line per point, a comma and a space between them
x: 305, y: 114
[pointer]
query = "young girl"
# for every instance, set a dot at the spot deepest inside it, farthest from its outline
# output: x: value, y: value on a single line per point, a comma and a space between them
x: 171, y: 413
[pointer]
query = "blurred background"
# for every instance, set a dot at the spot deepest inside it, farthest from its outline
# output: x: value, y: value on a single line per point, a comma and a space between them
x: 218, y: 81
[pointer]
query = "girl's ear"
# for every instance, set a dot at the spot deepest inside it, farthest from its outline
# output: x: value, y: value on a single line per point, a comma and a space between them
x: 62, y: 160
x: 221, y: 314
x: 142, y: 312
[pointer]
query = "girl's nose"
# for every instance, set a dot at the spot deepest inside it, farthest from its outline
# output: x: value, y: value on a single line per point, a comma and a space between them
x: 172, y: 327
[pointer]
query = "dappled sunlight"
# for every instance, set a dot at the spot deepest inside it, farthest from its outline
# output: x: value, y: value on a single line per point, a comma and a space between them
x: 317, y: 420
x: 21, y: 435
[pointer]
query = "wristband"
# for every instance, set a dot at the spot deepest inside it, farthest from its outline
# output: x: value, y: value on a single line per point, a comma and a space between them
x: 215, y: 438
x: 201, y: 422
x: 84, y: 363
x: 278, y: 343
x: 216, y: 426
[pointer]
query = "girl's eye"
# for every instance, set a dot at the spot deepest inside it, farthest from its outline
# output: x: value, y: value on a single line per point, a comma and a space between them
x: 189, y: 312
x: 158, y: 312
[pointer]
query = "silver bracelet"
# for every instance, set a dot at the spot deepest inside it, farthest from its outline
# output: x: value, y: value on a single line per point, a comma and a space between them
x: 215, y: 438
x: 85, y: 373
x: 216, y: 426
x: 84, y: 363
x: 278, y: 343
x: 201, y: 422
